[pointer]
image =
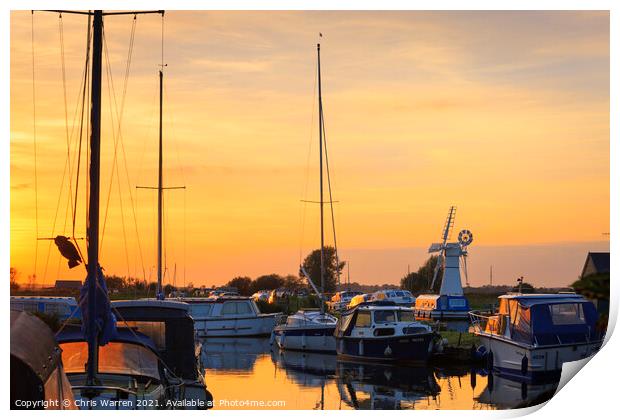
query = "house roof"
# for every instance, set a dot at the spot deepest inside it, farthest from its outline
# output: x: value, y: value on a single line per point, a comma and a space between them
x: 600, y: 261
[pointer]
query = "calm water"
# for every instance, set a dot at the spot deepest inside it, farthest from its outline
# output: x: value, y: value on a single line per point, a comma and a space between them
x: 249, y: 369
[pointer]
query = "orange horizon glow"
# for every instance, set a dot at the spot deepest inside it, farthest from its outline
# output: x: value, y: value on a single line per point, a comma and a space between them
x: 503, y: 114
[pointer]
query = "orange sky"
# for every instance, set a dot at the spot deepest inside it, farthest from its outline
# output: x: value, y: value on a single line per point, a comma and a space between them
x: 504, y: 114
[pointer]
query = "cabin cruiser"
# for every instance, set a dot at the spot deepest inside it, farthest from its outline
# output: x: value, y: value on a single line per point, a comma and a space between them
x: 38, y: 380
x: 168, y: 324
x: 229, y: 316
x: 383, y: 331
x: 399, y: 297
x: 341, y: 300
x: 307, y: 330
x: 366, y: 297
x: 62, y: 307
x: 532, y: 335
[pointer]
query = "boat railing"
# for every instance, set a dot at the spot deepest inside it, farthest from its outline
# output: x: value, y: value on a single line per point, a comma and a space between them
x: 489, y: 324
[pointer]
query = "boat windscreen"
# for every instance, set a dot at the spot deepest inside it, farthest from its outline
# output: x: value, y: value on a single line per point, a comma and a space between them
x: 406, y: 316
x: 114, y: 358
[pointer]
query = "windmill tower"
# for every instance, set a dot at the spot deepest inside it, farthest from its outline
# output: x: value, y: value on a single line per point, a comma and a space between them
x: 449, y: 257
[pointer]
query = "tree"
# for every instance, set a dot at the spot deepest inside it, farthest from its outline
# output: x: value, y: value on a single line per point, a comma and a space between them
x: 115, y: 282
x: 14, y: 276
x: 267, y: 282
x: 523, y: 286
x: 242, y: 284
x: 594, y: 286
x: 312, y: 264
x: 292, y: 282
x: 421, y: 280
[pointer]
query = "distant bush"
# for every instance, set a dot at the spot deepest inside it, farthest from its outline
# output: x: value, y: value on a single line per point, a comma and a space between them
x: 269, y: 308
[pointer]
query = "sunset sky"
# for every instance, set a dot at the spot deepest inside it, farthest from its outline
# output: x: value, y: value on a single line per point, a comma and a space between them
x: 503, y: 114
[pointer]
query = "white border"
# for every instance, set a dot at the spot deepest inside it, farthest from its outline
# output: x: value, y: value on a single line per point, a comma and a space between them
x: 591, y: 394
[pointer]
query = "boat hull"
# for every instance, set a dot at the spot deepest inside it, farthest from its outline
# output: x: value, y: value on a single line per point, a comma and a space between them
x: 261, y: 325
x: 415, y: 348
x: 312, y: 339
x: 533, y: 363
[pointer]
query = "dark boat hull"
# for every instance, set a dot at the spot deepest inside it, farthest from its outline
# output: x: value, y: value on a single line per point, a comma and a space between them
x: 415, y: 348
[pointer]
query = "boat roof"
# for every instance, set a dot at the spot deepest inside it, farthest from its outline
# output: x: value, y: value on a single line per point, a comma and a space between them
x: 380, y: 305
x: 544, y: 298
x: 150, y: 303
x: 214, y: 299
x: 67, y: 299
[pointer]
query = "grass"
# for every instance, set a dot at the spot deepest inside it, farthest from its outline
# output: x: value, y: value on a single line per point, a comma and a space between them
x: 466, y: 340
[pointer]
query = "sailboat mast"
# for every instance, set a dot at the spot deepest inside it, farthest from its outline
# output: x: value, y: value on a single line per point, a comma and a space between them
x: 92, y: 230
x: 160, y: 184
x: 318, y: 51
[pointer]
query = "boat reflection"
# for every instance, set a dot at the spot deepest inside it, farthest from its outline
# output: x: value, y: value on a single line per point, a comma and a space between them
x: 232, y: 354
x: 503, y: 393
x: 305, y: 369
x: 367, y: 386
x: 249, y: 369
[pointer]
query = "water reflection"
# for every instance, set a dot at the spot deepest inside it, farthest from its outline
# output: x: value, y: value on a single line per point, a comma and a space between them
x: 249, y: 369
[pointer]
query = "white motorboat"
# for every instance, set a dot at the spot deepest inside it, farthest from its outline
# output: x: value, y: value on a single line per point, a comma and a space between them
x: 307, y: 331
x: 531, y: 336
x: 229, y: 316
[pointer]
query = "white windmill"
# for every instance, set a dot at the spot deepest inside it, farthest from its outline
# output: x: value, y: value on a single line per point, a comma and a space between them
x: 450, y: 254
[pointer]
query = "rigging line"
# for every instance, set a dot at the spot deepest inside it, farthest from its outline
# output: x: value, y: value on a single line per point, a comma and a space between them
x: 117, y: 135
x: 184, y: 234
x: 81, y: 133
x: 331, y: 200
x: 34, y: 133
x: 120, y: 197
x: 64, y: 88
x: 305, y: 190
x: 133, y: 205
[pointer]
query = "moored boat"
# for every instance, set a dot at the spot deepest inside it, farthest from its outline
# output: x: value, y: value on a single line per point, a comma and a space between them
x: 38, y: 379
x: 171, y: 328
x: 229, y: 316
x: 383, y: 331
x: 531, y: 336
x: 307, y: 331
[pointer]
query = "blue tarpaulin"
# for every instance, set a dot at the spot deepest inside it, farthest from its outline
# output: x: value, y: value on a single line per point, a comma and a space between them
x: 105, y: 320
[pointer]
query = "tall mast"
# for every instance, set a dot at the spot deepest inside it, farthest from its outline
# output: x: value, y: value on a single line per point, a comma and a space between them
x: 160, y: 187
x: 92, y: 230
x: 318, y: 52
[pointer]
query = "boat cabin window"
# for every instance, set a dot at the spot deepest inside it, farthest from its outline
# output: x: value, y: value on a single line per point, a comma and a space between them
x: 237, y: 308
x: 382, y: 317
x: 406, y: 316
x: 156, y: 331
x: 114, y: 358
x: 363, y: 319
x: 400, y: 294
x: 201, y: 309
x: 567, y: 314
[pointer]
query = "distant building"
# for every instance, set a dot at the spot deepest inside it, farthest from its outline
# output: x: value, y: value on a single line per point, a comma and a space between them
x: 68, y: 285
x: 596, y: 263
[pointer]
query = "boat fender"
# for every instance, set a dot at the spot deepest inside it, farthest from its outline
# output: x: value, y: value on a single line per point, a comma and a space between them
x: 524, y: 365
